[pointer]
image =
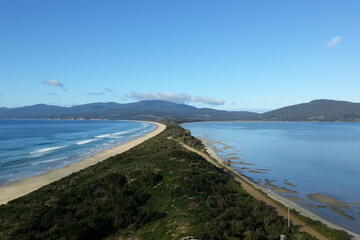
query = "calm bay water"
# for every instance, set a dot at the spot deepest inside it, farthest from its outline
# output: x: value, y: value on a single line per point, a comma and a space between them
x: 33, y: 147
x: 315, y: 164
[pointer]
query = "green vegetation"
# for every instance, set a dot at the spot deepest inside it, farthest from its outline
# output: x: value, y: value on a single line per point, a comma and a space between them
x: 317, y: 110
x: 157, y: 190
x: 143, y: 110
x: 323, y: 229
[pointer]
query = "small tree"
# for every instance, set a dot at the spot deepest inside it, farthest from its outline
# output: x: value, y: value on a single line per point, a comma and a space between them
x: 228, y: 162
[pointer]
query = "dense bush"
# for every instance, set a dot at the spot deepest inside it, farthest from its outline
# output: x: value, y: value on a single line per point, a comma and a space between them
x: 157, y: 190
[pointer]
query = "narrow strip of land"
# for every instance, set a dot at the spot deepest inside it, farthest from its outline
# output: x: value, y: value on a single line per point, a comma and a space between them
x: 255, y: 193
x: 22, y: 187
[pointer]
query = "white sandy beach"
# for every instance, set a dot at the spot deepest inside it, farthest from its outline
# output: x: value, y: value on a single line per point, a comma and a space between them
x: 22, y: 187
x: 282, y: 200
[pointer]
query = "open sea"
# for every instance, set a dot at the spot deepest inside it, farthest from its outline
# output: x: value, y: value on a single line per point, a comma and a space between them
x: 32, y: 147
x: 314, y: 164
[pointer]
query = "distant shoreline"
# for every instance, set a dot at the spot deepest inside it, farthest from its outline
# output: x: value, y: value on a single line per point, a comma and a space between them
x: 302, y: 121
x: 179, y: 121
x: 27, y: 185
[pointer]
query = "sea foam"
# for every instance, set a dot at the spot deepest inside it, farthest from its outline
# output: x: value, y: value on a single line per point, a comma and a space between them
x: 43, y: 150
x: 47, y: 161
x: 121, y: 133
x: 86, y: 141
x: 104, y: 136
x: 113, y: 135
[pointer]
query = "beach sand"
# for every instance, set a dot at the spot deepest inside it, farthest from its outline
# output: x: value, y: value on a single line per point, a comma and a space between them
x: 271, y: 191
x: 280, y: 203
x: 269, y: 196
x: 24, y: 186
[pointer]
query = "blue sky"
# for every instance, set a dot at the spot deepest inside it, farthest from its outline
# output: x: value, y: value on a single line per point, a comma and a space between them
x: 222, y: 54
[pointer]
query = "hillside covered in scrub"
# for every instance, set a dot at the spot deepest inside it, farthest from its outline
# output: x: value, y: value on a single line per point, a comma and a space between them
x: 142, y: 110
x: 317, y: 110
x: 157, y: 190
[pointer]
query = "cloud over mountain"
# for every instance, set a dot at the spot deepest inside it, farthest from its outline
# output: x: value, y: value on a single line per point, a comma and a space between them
x: 177, y: 98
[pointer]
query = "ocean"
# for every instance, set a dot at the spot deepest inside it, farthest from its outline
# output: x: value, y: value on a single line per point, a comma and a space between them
x: 314, y: 164
x: 33, y: 147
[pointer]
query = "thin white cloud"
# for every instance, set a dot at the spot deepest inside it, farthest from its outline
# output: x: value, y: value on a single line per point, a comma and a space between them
x: 53, y: 83
x: 107, y: 91
x: 334, y: 41
x: 177, y: 98
x: 96, y: 93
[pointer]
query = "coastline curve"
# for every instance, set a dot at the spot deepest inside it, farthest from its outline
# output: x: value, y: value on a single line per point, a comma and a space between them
x: 27, y: 185
x: 275, y: 197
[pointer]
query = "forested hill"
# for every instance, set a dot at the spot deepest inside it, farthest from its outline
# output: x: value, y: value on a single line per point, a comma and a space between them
x: 317, y: 110
x: 157, y: 190
x: 143, y: 110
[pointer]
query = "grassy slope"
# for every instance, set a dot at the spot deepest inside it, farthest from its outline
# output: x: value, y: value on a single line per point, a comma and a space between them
x: 157, y: 190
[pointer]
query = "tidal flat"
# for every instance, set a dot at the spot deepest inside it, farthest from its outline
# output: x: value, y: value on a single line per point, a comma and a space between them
x: 306, y: 160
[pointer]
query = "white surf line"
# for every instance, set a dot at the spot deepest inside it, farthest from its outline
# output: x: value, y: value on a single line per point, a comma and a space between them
x: 49, y: 149
x: 24, y: 186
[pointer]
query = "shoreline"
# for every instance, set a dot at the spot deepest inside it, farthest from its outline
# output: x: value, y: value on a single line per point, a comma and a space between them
x: 276, y: 197
x: 25, y: 186
x: 301, y: 121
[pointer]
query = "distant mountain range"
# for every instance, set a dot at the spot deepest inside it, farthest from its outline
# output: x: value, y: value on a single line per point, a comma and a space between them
x: 317, y: 110
x: 143, y: 110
